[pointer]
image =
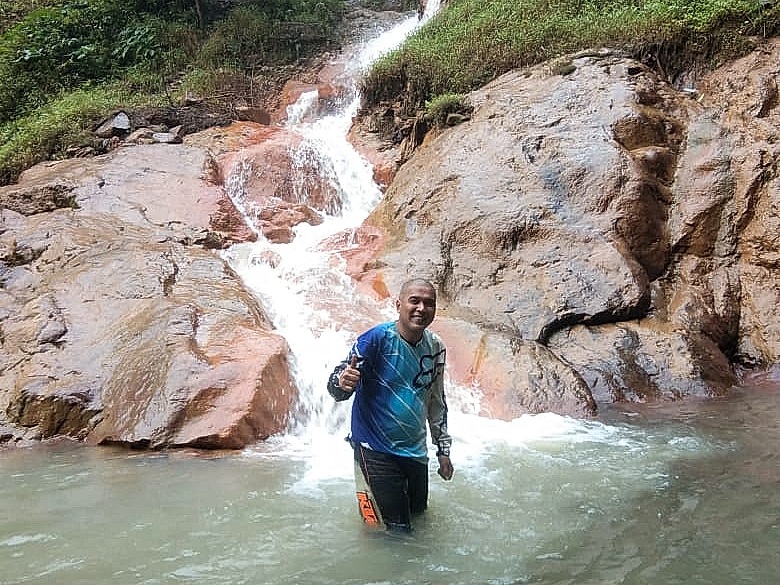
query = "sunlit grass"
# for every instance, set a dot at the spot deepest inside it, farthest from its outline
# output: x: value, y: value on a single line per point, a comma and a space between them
x: 471, y: 42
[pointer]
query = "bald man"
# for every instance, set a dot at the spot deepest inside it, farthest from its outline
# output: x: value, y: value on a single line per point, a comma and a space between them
x: 395, y: 371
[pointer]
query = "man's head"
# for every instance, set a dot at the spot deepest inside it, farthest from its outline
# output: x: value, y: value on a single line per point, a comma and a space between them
x: 416, y: 304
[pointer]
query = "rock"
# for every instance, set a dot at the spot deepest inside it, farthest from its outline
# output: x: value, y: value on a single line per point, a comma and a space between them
x: 141, y: 136
x: 645, y: 361
x: 116, y: 328
x: 253, y: 114
x: 260, y: 176
x: 767, y: 98
x: 743, y: 211
x: 142, y: 358
x: 116, y: 125
x: 603, y: 231
x: 514, y: 377
x: 454, y: 119
x: 383, y: 157
x: 166, y: 138
x: 127, y: 184
x: 32, y: 199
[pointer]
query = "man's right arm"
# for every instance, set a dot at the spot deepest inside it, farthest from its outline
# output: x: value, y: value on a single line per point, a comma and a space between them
x: 334, y: 386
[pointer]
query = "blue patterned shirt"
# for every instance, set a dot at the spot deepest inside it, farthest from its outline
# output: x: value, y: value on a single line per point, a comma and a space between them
x: 401, y: 386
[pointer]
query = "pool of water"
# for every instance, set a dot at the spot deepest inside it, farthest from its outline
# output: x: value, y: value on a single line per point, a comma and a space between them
x: 676, y: 494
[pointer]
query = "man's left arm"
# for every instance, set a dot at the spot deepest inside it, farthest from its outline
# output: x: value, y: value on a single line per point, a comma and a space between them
x: 437, y: 422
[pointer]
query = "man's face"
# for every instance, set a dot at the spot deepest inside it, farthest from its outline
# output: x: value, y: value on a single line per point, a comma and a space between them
x: 416, y: 307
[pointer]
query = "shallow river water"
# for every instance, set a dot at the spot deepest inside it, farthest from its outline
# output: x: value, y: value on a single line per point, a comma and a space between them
x: 680, y: 494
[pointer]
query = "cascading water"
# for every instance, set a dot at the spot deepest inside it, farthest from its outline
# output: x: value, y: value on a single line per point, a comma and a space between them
x: 302, y: 275
x: 681, y: 494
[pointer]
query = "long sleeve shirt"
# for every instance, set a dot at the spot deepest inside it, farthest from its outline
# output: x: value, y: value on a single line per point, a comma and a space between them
x: 401, y: 387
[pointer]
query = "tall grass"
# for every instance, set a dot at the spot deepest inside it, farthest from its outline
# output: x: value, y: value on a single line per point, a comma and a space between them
x: 473, y: 41
x: 51, y: 129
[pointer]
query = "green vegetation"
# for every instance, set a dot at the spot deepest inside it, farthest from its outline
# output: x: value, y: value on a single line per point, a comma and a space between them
x: 53, y: 127
x: 471, y: 42
x: 439, y: 109
x: 66, y: 64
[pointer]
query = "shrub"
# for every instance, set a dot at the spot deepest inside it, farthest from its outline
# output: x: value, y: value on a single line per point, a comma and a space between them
x: 58, y: 48
x: 240, y: 40
x: 439, y: 109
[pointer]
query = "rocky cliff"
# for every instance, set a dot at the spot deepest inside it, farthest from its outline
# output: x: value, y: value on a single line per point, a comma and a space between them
x: 599, y: 235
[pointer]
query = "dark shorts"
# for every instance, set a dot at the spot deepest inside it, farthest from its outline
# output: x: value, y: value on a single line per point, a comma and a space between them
x: 399, y: 485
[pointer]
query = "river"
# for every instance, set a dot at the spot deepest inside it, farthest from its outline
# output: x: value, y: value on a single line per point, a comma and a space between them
x: 680, y: 493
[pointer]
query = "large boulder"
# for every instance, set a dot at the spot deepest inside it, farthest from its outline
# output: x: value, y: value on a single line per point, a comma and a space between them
x: 617, y: 223
x: 277, y: 179
x: 119, y: 324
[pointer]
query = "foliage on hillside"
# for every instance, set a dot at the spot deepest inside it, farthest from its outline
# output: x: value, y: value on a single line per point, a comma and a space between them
x: 62, y: 46
x: 64, y: 64
x: 471, y: 42
x: 72, y: 61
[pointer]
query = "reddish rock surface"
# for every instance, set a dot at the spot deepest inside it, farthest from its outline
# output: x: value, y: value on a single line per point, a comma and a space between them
x: 598, y: 235
x: 116, y: 327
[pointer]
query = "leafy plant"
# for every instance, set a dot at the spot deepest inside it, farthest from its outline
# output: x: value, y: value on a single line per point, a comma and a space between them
x: 64, y: 64
x: 54, y: 49
x: 138, y: 42
x: 442, y: 108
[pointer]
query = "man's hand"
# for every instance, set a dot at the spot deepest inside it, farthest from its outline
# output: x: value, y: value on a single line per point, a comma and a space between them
x: 349, y: 378
x: 445, y: 467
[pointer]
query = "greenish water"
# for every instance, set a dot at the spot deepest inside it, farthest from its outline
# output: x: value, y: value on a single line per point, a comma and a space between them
x: 684, y: 494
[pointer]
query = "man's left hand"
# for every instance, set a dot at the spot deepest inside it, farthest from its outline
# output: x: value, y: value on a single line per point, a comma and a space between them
x: 445, y: 467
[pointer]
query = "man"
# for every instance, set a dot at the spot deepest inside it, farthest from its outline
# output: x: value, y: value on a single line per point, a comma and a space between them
x: 395, y: 371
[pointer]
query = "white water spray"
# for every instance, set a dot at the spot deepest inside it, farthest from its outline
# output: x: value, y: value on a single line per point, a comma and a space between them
x: 302, y: 271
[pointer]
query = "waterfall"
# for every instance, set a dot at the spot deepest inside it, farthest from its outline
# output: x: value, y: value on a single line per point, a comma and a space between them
x: 315, y: 305
x: 305, y: 290
x: 683, y: 493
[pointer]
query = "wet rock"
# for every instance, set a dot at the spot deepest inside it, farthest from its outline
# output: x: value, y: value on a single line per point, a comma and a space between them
x: 746, y: 161
x: 127, y: 184
x: 143, y: 357
x: 64, y: 411
x: 767, y: 99
x: 325, y: 98
x: 31, y: 199
x: 606, y: 218
x: 280, y: 181
x: 140, y: 136
x: 384, y: 158
x: 253, y: 114
x: 116, y: 327
x: 514, y: 377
